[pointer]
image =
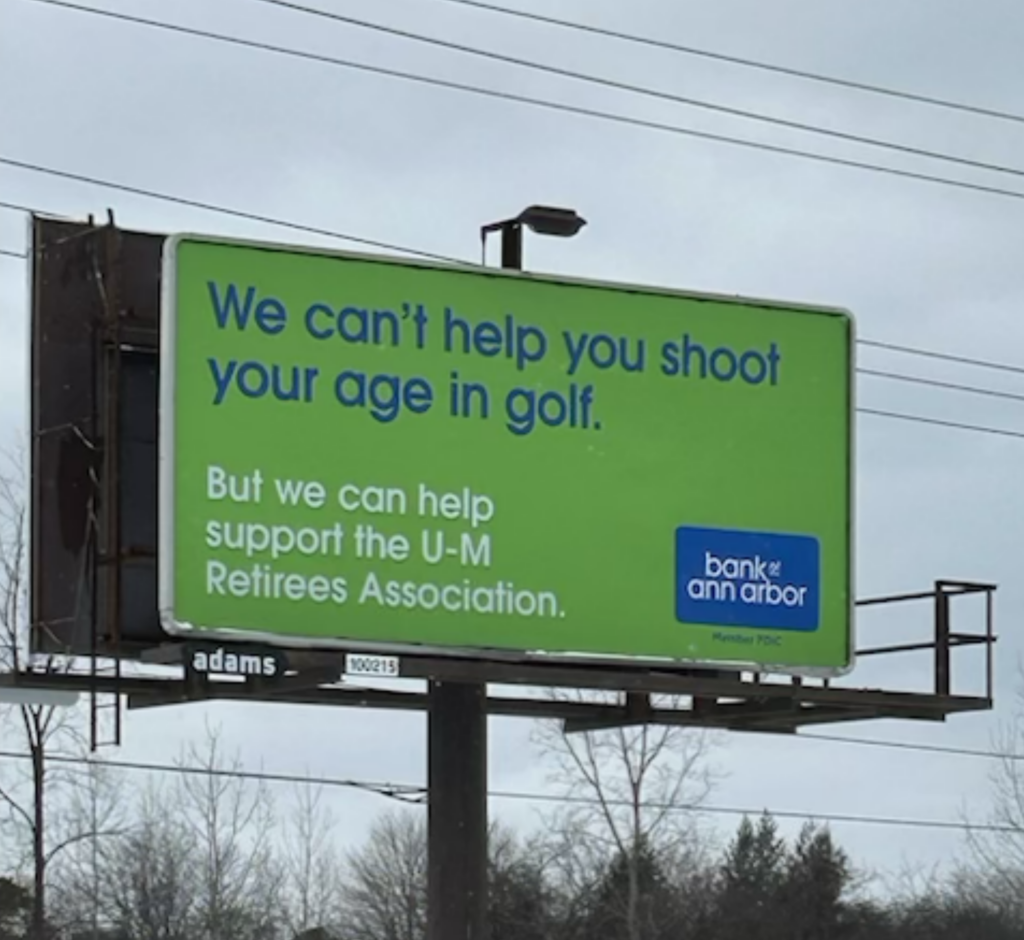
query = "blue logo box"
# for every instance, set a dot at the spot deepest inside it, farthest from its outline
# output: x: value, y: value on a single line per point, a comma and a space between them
x: 734, y: 578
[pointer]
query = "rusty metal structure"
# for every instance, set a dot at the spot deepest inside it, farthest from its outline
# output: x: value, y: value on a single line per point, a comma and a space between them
x: 733, y: 701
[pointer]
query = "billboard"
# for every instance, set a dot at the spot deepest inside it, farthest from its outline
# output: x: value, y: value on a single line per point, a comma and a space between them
x: 372, y: 453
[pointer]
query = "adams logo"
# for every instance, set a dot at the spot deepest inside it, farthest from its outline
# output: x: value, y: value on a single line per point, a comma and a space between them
x: 237, y: 661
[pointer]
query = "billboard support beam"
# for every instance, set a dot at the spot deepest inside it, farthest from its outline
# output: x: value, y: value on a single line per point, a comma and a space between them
x: 457, y: 719
x: 457, y: 811
x: 108, y: 277
x: 942, y: 640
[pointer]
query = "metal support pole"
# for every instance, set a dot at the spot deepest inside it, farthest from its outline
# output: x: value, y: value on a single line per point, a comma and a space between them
x: 457, y: 863
x: 512, y: 246
x: 942, y: 657
x: 457, y: 811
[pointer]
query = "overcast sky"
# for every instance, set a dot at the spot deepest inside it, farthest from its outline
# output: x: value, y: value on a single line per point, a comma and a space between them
x: 919, y: 264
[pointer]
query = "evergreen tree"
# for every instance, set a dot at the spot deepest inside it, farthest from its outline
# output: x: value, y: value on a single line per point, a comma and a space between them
x: 15, y: 908
x: 817, y: 875
x: 316, y: 933
x: 652, y: 916
x: 519, y: 901
x: 751, y: 881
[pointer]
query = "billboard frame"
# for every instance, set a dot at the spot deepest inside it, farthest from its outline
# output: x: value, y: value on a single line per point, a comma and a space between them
x: 68, y: 337
x: 721, y: 699
x: 166, y: 448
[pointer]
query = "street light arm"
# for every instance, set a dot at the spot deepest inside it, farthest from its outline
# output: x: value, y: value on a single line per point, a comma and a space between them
x: 544, y: 220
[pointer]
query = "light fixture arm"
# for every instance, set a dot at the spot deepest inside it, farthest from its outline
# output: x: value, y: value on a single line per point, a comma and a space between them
x: 544, y: 220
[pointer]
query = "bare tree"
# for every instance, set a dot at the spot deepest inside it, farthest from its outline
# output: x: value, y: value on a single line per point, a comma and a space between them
x: 150, y: 872
x: 631, y: 791
x: 95, y: 804
x: 995, y: 876
x: 384, y: 896
x: 31, y: 793
x: 311, y: 865
x: 231, y: 821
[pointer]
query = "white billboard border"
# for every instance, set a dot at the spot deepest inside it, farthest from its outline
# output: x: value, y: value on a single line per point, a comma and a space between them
x: 166, y: 476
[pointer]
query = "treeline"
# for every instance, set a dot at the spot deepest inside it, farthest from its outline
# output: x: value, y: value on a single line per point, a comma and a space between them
x: 209, y: 854
x: 219, y: 874
x: 760, y: 887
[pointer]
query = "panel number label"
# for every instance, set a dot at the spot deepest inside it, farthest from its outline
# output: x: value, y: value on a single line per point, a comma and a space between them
x: 360, y: 664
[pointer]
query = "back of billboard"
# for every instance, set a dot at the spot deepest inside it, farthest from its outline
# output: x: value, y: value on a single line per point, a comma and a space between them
x: 93, y: 538
x: 366, y: 452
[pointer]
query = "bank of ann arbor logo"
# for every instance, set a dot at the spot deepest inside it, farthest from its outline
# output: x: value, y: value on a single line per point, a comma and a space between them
x: 727, y: 577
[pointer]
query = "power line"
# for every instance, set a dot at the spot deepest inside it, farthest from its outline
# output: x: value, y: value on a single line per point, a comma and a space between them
x: 7, y: 253
x: 222, y: 210
x: 381, y: 789
x: 945, y: 357
x: 413, y: 792
x: 948, y: 749
x: 650, y: 42
x: 546, y: 104
x: 16, y: 207
x: 642, y: 90
x: 940, y: 422
x: 936, y: 383
x: 855, y: 818
x: 913, y: 746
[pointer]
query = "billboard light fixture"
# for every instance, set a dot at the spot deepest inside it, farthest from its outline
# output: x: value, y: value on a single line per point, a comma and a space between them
x: 542, y: 220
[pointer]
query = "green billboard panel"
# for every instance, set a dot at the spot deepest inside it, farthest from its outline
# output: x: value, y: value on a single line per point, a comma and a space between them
x: 373, y: 453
